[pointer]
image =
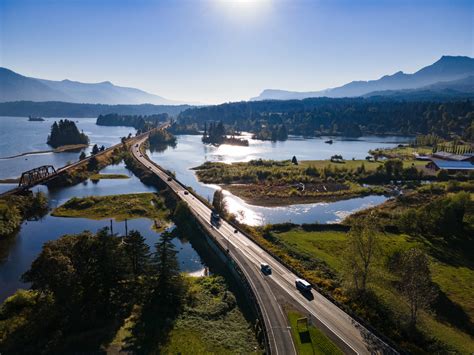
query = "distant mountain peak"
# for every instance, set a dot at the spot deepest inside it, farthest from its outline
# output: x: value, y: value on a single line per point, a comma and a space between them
x: 16, y: 87
x: 447, y: 68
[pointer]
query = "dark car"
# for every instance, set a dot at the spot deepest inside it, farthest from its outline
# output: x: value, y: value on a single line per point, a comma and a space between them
x: 265, y: 268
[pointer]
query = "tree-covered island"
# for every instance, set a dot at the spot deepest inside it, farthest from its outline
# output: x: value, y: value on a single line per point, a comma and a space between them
x: 66, y: 133
x: 216, y: 134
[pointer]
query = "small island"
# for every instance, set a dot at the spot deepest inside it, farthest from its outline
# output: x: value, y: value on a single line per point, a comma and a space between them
x: 215, y: 134
x: 66, y: 133
x: 278, y: 183
x: 161, y: 139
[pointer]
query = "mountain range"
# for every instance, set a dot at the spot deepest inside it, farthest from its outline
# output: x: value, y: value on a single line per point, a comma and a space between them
x: 448, y: 75
x: 16, y: 87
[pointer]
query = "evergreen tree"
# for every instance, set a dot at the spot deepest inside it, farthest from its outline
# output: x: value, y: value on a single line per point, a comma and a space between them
x: 82, y: 156
x: 137, y: 252
x: 95, y: 149
x: 65, y: 132
x: 165, y: 265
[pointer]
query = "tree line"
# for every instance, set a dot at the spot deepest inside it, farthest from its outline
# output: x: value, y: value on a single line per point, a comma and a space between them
x: 346, y: 116
x: 83, y: 286
x: 139, y: 122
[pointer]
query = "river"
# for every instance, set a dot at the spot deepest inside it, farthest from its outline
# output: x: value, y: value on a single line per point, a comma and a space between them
x: 190, y: 152
x: 17, y: 136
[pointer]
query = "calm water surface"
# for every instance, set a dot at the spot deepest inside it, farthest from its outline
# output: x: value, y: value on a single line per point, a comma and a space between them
x: 18, y: 135
x: 190, y: 152
x: 17, y: 253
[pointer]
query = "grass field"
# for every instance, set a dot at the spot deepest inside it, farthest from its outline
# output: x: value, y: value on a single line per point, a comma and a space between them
x: 209, y: 323
x: 310, y: 340
x: 108, y: 176
x: 279, y: 183
x: 120, y: 207
x: 455, y: 282
x: 405, y: 152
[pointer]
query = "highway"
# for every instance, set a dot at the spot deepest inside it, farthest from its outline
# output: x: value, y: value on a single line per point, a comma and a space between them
x: 278, y: 288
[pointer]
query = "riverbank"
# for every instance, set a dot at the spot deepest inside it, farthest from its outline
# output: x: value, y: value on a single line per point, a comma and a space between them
x: 119, y: 207
x: 284, y: 195
x: 281, y: 183
x: 95, y: 177
x: 63, y: 148
x: 15, y: 209
x: 436, y: 219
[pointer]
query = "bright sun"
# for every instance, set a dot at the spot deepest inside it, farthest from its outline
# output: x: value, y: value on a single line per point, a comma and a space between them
x: 244, y: 8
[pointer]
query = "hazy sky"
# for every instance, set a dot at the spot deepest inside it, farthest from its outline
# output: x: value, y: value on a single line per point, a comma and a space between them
x: 221, y: 50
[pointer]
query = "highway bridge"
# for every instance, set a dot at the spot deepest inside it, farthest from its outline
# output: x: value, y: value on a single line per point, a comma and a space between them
x: 272, y: 291
x: 277, y: 289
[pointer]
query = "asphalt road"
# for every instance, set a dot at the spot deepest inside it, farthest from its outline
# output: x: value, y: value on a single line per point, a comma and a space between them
x: 279, y: 287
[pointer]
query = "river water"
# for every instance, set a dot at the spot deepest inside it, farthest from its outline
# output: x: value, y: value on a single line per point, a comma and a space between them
x: 17, y: 136
x: 190, y: 152
x: 17, y: 253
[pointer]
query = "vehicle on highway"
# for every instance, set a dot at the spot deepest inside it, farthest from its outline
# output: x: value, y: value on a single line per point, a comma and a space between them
x: 236, y: 231
x: 215, y: 216
x: 266, y: 269
x: 186, y: 193
x: 136, y: 145
x: 303, y: 285
x: 169, y: 178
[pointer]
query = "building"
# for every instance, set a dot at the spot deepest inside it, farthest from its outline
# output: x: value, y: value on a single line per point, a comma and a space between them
x: 453, y: 157
x: 451, y: 166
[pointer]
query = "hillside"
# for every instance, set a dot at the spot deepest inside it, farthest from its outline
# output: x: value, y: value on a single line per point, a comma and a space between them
x: 447, y: 68
x: 16, y: 87
x: 67, y: 109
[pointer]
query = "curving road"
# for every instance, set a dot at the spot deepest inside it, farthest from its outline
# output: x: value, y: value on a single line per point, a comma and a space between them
x: 276, y: 289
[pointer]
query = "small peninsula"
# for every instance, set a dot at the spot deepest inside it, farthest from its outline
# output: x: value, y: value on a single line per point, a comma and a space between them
x: 65, y: 132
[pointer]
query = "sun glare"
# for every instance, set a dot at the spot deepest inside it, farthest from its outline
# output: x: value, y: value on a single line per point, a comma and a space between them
x: 244, y: 8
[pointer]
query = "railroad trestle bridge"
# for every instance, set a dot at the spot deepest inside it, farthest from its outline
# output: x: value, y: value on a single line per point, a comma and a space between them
x: 34, y: 176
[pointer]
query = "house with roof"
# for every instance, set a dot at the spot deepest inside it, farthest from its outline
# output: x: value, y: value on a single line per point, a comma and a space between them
x: 451, y: 166
x: 453, y: 157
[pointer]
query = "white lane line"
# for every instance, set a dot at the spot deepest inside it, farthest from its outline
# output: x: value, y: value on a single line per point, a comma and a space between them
x: 256, y: 249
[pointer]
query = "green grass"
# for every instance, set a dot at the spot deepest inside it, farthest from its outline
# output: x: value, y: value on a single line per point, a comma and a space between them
x: 457, y: 282
x: 108, y: 176
x: 310, y: 340
x: 120, y: 207
x: 210, y: 323
x: 403, y: 152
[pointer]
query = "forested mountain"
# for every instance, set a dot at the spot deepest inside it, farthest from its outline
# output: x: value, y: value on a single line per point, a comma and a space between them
x: 447, y: 68
x: 348, y: 117
x: 16, y: 87
x: 61, y: 109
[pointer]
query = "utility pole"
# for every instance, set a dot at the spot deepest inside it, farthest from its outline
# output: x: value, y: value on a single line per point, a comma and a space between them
x: 126, y: 227
x: 111, y: 228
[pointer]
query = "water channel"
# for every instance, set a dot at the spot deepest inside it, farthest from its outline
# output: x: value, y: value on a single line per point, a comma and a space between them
x: 17, y: 136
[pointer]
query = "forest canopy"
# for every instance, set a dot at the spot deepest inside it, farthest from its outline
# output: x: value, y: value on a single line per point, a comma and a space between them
x: 346, y: 116
x: 64, y: 133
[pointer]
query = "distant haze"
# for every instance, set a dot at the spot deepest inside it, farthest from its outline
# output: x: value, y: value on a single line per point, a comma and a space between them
x: 453, y: 73
x: 213, y: 51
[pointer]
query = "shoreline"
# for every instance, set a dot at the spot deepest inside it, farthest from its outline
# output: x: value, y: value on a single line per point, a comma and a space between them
x: 63, y: 148
x: 244, y: 192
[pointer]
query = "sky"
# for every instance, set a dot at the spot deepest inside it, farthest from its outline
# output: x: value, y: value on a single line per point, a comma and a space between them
x: 213, y: 51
